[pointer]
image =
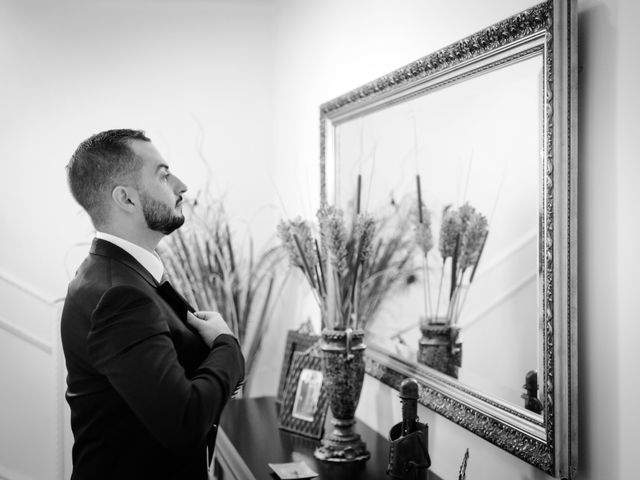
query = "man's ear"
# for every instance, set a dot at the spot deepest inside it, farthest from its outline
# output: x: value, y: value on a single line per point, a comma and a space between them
x: 125, y: 198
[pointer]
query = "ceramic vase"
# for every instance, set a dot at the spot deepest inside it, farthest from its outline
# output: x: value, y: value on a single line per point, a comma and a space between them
x: 439, y: 347
x: 343, y: 369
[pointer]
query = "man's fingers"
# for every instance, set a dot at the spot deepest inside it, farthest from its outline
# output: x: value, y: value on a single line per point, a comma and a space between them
x: 208, y: 315
x: 193, y: 319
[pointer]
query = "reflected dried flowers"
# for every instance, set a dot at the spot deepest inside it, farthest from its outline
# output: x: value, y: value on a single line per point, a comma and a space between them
x: 463, y: 233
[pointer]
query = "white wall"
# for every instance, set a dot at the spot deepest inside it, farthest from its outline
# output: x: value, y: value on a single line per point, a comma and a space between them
x: 187, y: 72
x: 257, y: 97
x: 627, y: 231
x: 609, y: 172
x: 72, y: 68
x: 31, y: 404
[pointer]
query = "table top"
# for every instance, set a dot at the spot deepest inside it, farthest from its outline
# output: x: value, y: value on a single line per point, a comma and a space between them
x: 250, y: 427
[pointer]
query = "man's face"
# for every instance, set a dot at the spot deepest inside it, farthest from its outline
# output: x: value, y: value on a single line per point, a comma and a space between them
x: 160, y: 191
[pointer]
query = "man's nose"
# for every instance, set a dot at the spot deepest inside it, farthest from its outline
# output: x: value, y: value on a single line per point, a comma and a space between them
x: 179, y: 187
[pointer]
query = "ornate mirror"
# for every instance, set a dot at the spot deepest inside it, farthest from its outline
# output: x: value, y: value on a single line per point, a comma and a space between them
x: 476, y: 143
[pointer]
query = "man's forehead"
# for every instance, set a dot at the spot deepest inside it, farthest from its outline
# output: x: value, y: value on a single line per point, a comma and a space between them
x: 147, y: 152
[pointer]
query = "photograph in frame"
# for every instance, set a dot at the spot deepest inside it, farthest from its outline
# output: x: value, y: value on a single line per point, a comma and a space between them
x: 307, y: 395
x: 297, y: 341
x: 305, y: 401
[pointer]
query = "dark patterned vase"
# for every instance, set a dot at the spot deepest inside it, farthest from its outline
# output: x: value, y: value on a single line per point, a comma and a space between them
x: 343, y: 368
x: 439, y: 348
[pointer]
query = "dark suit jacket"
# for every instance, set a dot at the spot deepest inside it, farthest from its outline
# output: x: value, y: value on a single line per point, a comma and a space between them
x: 144, y: 390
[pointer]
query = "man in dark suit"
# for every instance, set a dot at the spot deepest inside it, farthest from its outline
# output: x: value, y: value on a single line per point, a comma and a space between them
x: 147, y: 378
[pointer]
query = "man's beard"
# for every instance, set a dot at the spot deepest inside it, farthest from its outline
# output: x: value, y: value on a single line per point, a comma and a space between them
x: 159, y: 216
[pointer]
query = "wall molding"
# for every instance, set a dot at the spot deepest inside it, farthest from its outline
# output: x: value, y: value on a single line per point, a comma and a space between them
x: 59, y: 391
x: 6, y: 474
x: 52, y: 348
x: 474, y: 318
x: 28, y: 337
x: 505, y: 253
x: 29, y: 289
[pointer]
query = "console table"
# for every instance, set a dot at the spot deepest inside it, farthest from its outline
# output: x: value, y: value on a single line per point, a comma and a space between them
x: 249, y: 439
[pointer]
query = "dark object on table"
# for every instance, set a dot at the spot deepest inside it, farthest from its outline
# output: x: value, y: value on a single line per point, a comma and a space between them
x: 530, y: 395
x: 409, y: 450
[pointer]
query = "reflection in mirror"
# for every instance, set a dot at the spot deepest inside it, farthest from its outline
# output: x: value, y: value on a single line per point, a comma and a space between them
x: 481, y: 153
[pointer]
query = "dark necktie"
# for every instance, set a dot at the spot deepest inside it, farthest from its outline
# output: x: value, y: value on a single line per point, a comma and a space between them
x: 176, y: 301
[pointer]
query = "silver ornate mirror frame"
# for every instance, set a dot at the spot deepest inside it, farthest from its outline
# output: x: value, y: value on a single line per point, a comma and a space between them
x: 548, y: 442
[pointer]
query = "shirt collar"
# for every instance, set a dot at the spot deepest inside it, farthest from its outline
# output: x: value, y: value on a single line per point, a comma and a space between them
x: 147, y: 259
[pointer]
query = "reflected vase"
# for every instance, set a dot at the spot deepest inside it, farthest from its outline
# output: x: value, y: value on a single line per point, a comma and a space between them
x: 343, y: 370
x: 439, y: 347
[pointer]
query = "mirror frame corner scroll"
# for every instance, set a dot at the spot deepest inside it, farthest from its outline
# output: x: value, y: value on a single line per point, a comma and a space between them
x: 551, y: 444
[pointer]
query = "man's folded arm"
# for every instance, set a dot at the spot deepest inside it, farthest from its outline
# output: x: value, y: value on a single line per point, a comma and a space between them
x: 131, y: 346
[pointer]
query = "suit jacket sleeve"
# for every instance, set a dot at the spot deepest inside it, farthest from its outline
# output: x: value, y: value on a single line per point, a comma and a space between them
x: 130, y: 344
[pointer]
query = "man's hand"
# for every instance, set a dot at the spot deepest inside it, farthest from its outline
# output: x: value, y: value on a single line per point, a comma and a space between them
x: 209, y: 325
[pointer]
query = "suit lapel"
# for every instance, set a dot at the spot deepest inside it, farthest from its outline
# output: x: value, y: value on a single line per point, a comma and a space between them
x: 108, y: 249
x: 166, y: 291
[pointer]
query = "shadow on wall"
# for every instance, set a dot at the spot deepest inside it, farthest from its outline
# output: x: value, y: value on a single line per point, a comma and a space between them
x: 598, y: 373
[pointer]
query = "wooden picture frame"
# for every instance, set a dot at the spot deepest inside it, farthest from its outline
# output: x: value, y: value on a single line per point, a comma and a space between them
x: 305, y: 400
x: 297, y: 341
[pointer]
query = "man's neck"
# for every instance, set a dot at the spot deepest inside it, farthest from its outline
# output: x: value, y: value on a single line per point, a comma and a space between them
x: 148, y: 240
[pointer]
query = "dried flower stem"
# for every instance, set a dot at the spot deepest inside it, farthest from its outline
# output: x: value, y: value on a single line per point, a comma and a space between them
x: 426, y: 290
x: 356, y: 271
x: 456, y: 302
x: 322, y: 277
x: 426, y: 267
x: 454, y: 268
x: 419, y: 198
x: 338, y: 320
x: 475, y: 266
x: 263, y: 313
x: 359, y: 190
x: 444, y: 261
x: 321, y: 291
x: 473, y: 271
x: 306, y: 268
x: 354, y: 322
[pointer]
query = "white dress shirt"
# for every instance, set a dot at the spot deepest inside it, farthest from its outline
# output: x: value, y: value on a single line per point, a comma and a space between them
x: 147, y: 259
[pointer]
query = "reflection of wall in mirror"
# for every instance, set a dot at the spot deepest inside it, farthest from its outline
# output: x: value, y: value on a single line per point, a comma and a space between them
x: 482, y: 146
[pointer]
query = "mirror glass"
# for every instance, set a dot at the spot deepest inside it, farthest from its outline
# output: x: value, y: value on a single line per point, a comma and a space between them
x: 478, y: 141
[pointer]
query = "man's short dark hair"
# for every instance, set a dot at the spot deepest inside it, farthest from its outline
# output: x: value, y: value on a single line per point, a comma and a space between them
x: 96, y: 167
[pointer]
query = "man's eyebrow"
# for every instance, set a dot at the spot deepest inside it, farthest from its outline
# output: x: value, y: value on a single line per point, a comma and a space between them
x: 161, y: 166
